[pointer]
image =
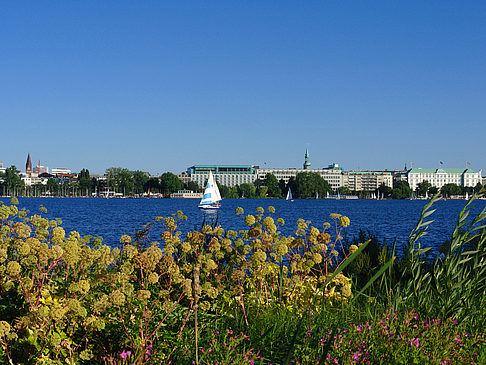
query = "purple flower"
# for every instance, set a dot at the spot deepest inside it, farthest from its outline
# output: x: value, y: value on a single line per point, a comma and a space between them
x: 415, y: 342
x: 356, y: 356
x: 125, y: 354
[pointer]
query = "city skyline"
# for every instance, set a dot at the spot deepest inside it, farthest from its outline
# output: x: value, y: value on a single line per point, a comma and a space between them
x: 160, y: 87
x: 306, y: 165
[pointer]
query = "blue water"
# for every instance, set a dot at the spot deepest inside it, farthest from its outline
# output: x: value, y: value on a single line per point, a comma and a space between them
x: 387, y: 219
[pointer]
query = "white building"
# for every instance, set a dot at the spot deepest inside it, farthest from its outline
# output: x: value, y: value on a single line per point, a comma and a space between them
x: 440, y: 177
x: 228, y: 175
x: 60, y: 171
x: 2, y: 169
x: 186, y: 194
x: 367, y: 180
x: 333, y: 174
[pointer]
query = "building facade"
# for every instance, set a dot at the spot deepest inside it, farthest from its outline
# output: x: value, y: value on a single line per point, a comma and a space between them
x: 333, y: 174
x: 440, y: 177
x: 367, y: 180
x: 228, y: 175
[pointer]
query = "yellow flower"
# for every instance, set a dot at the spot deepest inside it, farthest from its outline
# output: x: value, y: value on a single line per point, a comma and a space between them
x: 353, y: 249
x: 344, y: 221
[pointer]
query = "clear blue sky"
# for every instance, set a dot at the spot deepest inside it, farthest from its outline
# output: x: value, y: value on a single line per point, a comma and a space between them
x: 163, y: 85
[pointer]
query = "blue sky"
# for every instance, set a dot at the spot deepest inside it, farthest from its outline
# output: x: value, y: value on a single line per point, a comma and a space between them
x: 160, y: 86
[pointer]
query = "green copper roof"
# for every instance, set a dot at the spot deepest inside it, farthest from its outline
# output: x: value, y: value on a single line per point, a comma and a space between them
x: 447, y: 171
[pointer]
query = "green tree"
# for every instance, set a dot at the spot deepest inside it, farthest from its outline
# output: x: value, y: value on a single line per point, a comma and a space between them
x: 433, y: 190
x: 193, y: 186
x: 140, y: 178
x: 478, y: 187
x: 401, y: 190
x: 450, y: 189
x: 423, y: 188
x: 247, y: 190
x: 344, y: 190
x: 272, y: 185
x: 170, y: 183
x: 13, y: 182
x: 85, y: 183
x: 385, y: 190
x: 310, y: 183
x: 263, y: 192
x: 152, y: 184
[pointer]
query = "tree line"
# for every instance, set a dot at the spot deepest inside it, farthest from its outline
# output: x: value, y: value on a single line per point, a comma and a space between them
x: 304, y: 185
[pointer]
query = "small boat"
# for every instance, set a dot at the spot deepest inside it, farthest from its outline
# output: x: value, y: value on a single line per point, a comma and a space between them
x: 317, y: 195
x: 211, y: 197
x: 289, y: 196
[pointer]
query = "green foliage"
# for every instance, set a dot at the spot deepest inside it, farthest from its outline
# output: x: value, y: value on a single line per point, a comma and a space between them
x: 217, y: 295
x: 170, y: 183
x: 308, y: 184
x: 423, y: 188
x: 401, y: 190
x: 450, y: 189
x: 272, y: 184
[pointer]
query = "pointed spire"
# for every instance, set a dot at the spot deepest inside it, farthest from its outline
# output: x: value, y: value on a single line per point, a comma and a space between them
x: 307, y: 163
x: 28, y: 165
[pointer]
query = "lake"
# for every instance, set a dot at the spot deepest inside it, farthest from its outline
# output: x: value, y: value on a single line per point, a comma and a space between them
x: 387, y: 219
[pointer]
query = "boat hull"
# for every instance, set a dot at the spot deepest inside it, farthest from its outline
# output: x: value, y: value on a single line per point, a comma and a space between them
x: 209, y: 206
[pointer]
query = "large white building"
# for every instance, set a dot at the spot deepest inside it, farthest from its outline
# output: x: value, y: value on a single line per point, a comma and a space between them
x: 228, y: 175
x: 333, y: 174
x: 367, y: 180
x: 441, y: 177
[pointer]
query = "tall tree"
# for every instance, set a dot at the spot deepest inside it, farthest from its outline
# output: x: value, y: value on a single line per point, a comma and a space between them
x: 170, y: 183
x: 401, y: 190
x: 310, y: 183
x: 85, y: 183
x: 139, y: 180
x: 272, y: 184
x: 13, y: 182
x: 423, y: 188
x: 450, y: 189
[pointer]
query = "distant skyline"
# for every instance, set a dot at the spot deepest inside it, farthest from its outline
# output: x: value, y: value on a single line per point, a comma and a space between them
x: 161, y: 86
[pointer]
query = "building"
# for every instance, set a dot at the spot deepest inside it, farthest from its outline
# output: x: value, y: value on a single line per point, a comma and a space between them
x: 440, y: 177
x: 332, y: 174
x: 61, y: 171
x: 228, y: 175
x: 2, y: 169
x: 186, y: 194
x: 28, y: 166
x: 367, y: 180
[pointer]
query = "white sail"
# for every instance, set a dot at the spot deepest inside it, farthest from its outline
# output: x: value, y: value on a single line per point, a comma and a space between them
x: 467, y: 196
x: 289, y: 195
x: 211, y: 194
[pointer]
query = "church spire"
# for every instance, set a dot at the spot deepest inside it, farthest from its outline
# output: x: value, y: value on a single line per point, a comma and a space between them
x: 28, y: 165
x: 307, y: 163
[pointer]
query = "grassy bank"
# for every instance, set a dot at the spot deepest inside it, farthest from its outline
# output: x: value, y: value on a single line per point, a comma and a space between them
x: 217, y: 296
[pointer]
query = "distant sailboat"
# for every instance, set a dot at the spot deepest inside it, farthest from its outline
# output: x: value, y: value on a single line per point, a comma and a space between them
x: 327, y: 195
x: 467, y: 195
x: 211, y: 195
x: 317, y: 195
x: 289, y: 196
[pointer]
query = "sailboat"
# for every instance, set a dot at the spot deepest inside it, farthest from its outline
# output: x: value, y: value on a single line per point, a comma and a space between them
x: 317, y: 195
x: 289, y: 196
x: 211, y: 197
x: 467, y: 196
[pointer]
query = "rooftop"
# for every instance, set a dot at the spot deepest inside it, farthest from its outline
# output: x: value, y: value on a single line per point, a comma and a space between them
x: 443, y: 171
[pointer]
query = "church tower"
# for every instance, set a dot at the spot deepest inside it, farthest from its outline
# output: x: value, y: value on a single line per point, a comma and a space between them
x: 307, y: 163
x: 28, y: 166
